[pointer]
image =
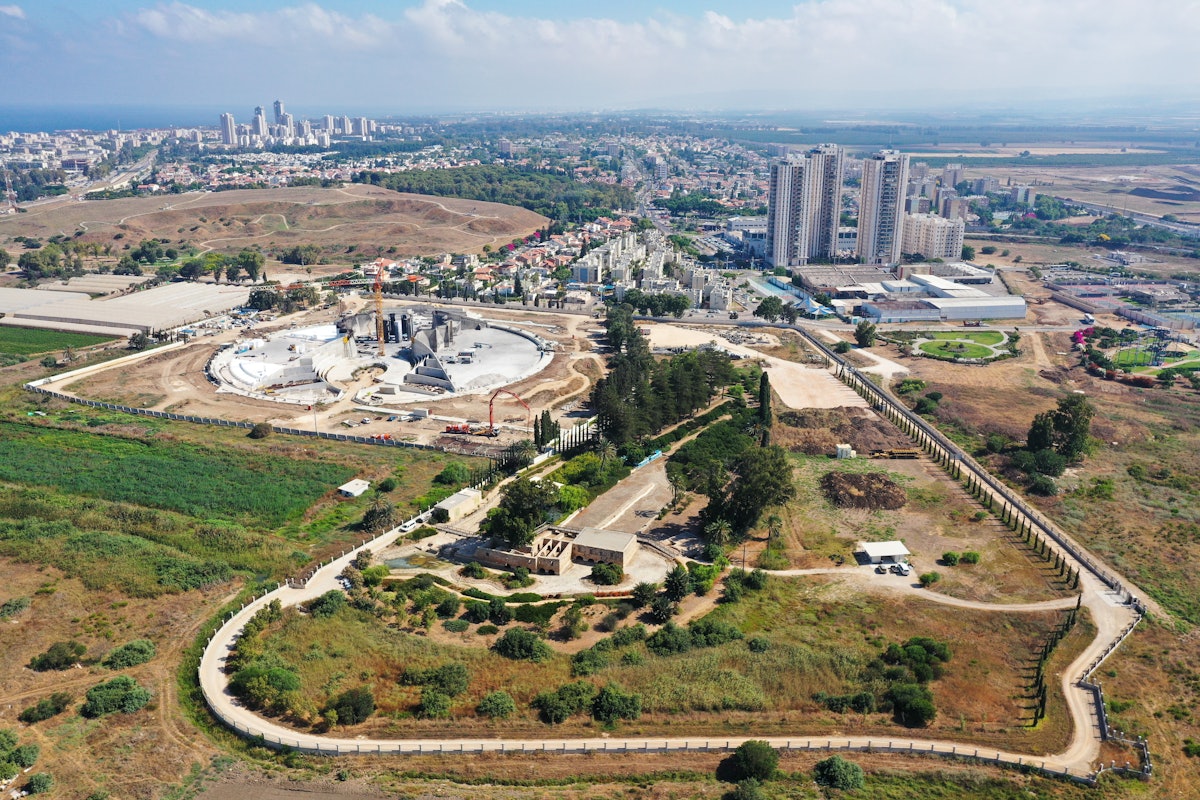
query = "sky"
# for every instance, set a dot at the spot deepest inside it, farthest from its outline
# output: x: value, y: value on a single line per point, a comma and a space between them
x: 431, y: 56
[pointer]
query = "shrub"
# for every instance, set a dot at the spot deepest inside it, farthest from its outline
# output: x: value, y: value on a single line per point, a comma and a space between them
x: 571, y: 698
x: 476, y: 611
x: 838, y: 773
x: 327, y: 604
x: 669, y: 640
x: 39, y: 782
x: 450, y: 679
x: 261, y: 430
x: 449, y: 607
x: 454, y: 474
x: 758, y: 645
x: 607, y: 574
x: 609, y: 623
x: 387, y: 485
x: 522, y: 645
x: 60, y: 655
x: 588, y: 662
x: 354, y: 705
x: 1043, y: 485
x: 498, y: 612
x: 46, y: 708
x: 139, y: 651
x: 929, y: 578
x: 265, y: 682
x: 474, y: 570
x: 456, y: 625
x: 756, y: 759
x: 25, y: 756
x: 611, y: 704
x: 487, y: 630
x: 950, y: 558
x: 631, y: 635
x: 11, y: 608
x: 710, y: 633
x: 439, y: 515
x: 121, y: 694
x: 746, y: 789
x: 433, y: 705
x: 662, y: 609
x: 497, y: 705
x: 970, y: 557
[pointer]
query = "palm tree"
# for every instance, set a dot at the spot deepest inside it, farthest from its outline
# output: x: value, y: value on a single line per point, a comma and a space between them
x: 774, y: 526
x: 607, y: 452
x: 524, y: 451
x: 677, y: 486
x: 718, y: 531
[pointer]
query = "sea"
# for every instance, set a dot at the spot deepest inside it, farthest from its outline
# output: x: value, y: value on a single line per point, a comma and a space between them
x: 33, y: 119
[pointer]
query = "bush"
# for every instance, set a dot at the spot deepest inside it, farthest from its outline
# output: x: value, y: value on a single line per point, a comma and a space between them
x: 970, y: 557
x: 121, y: 694
x: 838, y: 773
x: 354, y: 705
x: 611, y: 704
x: 40, y: 782
x: 456, y: 625
x: 747, y: 789
x: 929, y: 578
x: 474, y: 570
x: 261, y: 430
x: 327, y: 604
x: 11, y: 608
x: 439, y: 515
x: 662, y: 609
x: 433, y: 705
x: 950, y: 558
x: 487, y: 630
x: 497, y: 705
x: 46, y: 708
x: 454, y: 474
x: 60, y: 655
x: 758, y: 645
x: 498, y: 612
x: 476, y: 611
x: 571, y: 698
x: 756, y: 759
x: 607, y: 574
x: 450, y: 679
x: 387, y: 485
x: 631, y: 635
x: 265, y: 683
x: 449, y: 607
x: 139, y: 651
x: 1043, y: 485
x: 669, y: 640
x: 644, y: 593
x: 588, y: 662
x: 25, y: 756
x: 521, y: 645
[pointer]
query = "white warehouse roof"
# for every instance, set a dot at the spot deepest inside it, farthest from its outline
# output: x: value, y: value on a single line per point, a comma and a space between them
x: 877, y: 550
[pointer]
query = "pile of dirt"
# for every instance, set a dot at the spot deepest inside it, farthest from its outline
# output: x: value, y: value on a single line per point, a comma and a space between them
x: 818, y: 431
x: 862, y: 490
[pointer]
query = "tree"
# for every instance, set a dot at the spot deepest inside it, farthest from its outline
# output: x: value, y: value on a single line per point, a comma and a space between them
x: 252, y: 262
x: 59, y: 656
x: 139, y: 341
x: 912, y: 704
x: 381, y: 516
x: 718, y: 532
x: 756, y: 759
x: 49, y: 362
x: 1065, y: 428
x: 843, y: 347
x: 838, y: 773
x: 643, y: 594
x: 662, y: 609
x: 763, y: 478
x: 774, y: 526
x: 968, y: 252
x: 611, y: 704
x: 678, y: 584
x: 5, y: 259
x: 764, y: 400
x: 770, y: 309
x: 864, y: 333
x: 928, y: 579
x: 433, y: 705
x: 354, y: 705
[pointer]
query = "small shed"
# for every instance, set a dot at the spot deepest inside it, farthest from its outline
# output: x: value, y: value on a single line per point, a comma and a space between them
x: 884, y: 552
x: 354, y: 488
x: 608, y: 547
x: 461, y: 504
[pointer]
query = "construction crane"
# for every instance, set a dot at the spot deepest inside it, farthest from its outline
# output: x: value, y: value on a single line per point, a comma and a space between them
x: 491, y: 429
x: 8, y: 191
x: 376, y: 285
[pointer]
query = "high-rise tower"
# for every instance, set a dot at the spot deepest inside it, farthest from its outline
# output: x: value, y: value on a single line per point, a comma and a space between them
x: 804, y: 206
x: 881, y: 208
x: 228, y: 129
x: 279, y: 112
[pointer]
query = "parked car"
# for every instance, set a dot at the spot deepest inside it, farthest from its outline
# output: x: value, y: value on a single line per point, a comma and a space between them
x: 901, y: 569
x: 881, y: 569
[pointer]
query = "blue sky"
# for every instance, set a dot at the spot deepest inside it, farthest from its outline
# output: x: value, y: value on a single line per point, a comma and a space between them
x: 529, y: 55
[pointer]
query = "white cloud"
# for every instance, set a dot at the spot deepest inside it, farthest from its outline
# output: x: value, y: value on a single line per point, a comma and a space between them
x: 12, y: 11
x: 445, y: 52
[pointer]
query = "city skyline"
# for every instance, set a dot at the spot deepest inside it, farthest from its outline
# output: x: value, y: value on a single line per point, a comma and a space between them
x: 535, y: 55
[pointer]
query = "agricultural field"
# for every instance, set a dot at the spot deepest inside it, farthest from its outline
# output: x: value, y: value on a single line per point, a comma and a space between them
x: 34, y: 341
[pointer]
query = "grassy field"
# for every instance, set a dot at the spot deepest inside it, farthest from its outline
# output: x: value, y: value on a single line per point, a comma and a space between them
x: 955, y: 349
x: 1131, y: 357
x: 978, y: 337
x: 31, y: 341
x: 820, y: 637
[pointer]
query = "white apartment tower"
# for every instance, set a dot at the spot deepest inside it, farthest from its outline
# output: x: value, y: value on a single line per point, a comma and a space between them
x: 804, y: 206
x: 933, y: 236
x: 279, y: 113
x: 881, y: 208
x: 228, y: 129
x: 259, y: 126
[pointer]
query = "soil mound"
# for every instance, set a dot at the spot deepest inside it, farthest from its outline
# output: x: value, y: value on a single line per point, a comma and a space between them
x: 862, y: 490
x: 816, y: 431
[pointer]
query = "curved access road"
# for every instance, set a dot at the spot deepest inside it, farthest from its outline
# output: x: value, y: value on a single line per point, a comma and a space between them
x: 1108, y: 613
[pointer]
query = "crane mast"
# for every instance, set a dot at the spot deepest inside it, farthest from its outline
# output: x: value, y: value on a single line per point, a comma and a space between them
x: 379, y: 307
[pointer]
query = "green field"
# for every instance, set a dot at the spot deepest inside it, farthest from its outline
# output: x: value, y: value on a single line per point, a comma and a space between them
x: 30, y: 341
x: 952, y: 349
x: 1131, y: 357
x: 204, y: 482
x: 978, y: 337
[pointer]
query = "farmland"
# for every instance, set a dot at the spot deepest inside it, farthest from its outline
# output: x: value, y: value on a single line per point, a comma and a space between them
x: 32, y: 341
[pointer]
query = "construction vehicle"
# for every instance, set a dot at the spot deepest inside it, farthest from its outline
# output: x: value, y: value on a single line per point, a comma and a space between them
x: 458, y: 429
x: 491, y: 429
x: 897, y: 452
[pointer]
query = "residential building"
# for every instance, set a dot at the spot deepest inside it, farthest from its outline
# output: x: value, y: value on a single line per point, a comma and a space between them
x: 952, y: 175
x: 804, y: 206
x: 279, y: 112
x: 881, y: 207
x: 228, y: 129
x: 933, y: 237
x: 259, y: 126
